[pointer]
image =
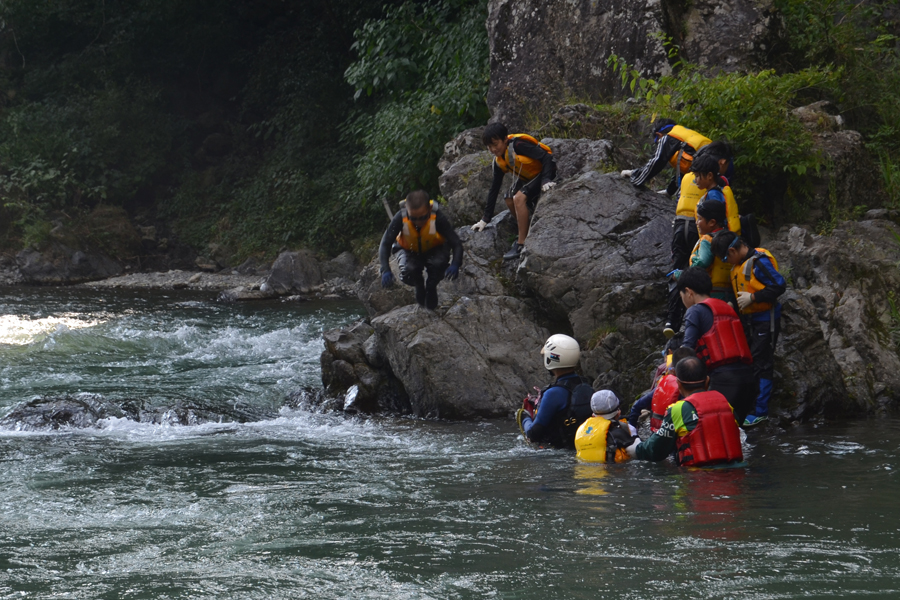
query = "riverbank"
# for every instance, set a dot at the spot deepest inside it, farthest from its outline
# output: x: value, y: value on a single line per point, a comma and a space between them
x: 177, y: 279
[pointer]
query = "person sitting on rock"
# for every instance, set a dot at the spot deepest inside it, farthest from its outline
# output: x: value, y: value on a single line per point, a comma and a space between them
x: 757, y: 284
x: 533, y: 171
x: 565, y: 404
x: 663, y: 394
x: 425, y: 237
x: 603, y: 437
x: 701, y: 429
x: 714, y: 331
x: 712, y: 161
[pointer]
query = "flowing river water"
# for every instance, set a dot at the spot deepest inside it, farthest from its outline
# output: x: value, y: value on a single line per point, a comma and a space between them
x: 294, y: 503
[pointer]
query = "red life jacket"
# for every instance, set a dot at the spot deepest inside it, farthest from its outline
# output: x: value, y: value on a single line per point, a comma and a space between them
x: 716, y: 438
x: 725, y: 342
x: 666, y: 394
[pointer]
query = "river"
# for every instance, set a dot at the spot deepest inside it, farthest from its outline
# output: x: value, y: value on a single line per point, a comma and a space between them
x: 303, y: 504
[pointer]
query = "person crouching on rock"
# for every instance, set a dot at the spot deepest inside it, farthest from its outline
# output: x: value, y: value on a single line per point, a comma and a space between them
x: 701, y: 429
x: 757, y: 285
x: 425, y: 237
x: 603, y: 437
x: 563, y: 405
x: 714, y: 331
x: 533, y: 171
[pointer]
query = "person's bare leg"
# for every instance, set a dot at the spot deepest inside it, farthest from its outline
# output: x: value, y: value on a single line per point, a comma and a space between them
x: 521, y: 205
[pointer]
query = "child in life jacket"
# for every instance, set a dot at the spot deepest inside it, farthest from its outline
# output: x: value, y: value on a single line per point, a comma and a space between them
x: 757, y: 284
x: 604, y: 437
x: 533, y: 170
x: 710, y: 220
x: 653, y: 405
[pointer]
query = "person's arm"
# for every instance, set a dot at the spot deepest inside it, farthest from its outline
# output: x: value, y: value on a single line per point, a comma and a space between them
x: 443, y: 226
x: 493, y: 193
x: 665, y: 148
x: 704, y: 257
x: 535, y: 152
x: 661, y: 444
x: 767, y: 274
x: 552, y: 401
x: 697, y: 321
x: 384, y: 250
x: 642, y: 403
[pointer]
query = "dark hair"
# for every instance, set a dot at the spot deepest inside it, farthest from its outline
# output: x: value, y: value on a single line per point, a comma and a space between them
x: 691, y: 373
x: 659, y: 124
x: 722, y: 242
x: 681, y: 354
x: 494, y: 131
x: 706, y: 163
x: 697, y: 279
x: 718, y: 149
x: 712, y: 210
x: 416, y: 199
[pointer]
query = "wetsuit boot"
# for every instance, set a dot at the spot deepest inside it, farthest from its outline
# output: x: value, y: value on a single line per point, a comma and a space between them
x: 420, y: 293
x: 431, y: 297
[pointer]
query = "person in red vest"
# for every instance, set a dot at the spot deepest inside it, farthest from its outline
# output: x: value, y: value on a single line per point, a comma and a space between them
x: 714, y: 331
x: 533, y: 171
x: 654, y: 403
x: 425, y: 237
x: 701, y: 429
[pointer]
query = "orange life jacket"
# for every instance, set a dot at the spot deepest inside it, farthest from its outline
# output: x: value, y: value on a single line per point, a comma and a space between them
x: 521, y: 166
x: 725, y: 342
x: 744, y: 280
x: 691, y: 142
x: 422, y: 238
x: 716, y: 438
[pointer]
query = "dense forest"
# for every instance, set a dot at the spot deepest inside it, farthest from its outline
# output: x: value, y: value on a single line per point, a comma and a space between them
x: 255, y: 126
x: 249, y: 125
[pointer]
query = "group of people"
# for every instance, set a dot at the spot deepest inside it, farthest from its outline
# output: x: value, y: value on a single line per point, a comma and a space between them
x: 723, y: 314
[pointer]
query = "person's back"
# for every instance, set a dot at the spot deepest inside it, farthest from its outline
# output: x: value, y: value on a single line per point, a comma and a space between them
x: 603, y: 437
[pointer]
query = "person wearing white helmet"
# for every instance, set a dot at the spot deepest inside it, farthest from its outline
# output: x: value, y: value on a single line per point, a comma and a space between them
x: 565, y: 403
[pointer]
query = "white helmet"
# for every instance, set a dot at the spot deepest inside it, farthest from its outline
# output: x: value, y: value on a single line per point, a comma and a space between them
x: 560, y: 352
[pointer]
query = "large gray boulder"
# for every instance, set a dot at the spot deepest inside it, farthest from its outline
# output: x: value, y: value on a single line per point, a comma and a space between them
x: 544, y: 53
x: 293, y: 272
x: 59, y: 264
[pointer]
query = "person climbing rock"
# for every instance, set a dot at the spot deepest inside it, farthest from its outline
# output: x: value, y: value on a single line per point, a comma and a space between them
x: 663, y: 394
x: 533, y: 170
x: 565, y: 404
x: 425, y: 238
x: 757, y: 284
x: 603, y: 437
x: 701, y: 429
x: 714, y: 331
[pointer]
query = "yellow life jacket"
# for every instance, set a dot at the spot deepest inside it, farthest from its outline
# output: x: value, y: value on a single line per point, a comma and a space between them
x: 592, y: 443
x: 521, y: 166
x: 744, y: 280
x: 719, y: 272
x: 423, y: 238
x: 690, y: 195
x: 691, y: 138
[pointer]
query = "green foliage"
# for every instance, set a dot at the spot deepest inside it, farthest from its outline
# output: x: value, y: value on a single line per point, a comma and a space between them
x: 751, y: 110
x: 426, y: 65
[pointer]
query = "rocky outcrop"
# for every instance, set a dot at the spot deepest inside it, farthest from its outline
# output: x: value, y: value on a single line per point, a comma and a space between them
x: 58, y: 264
x: 593, y: 267
x: 293, y: 272
x: 542, y: 54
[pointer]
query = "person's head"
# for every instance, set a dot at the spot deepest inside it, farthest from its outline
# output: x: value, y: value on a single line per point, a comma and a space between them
x: 682, y: 353
x: 705, y: 168
x: 721, y: 151
x: 694, y: 286
x: 418, y: 208
x: 560, y: 354
x: 710, y: 216
x: 729, y: 246
x: 495, y: 138
x: 692, y: 376
x: 605, y: 404
x: 660, y: 127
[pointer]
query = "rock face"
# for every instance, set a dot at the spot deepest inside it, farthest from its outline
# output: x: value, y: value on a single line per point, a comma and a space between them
x: 594, y: 268
x: 542, y: 53
x: 58, y: 264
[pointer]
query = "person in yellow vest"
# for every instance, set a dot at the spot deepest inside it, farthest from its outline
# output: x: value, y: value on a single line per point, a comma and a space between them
x: 710, y: 221
x: 757, y: 285
x: 425, y: 237
x: 714, y: 160
x: 603, y: 437
x: 533, y: 170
